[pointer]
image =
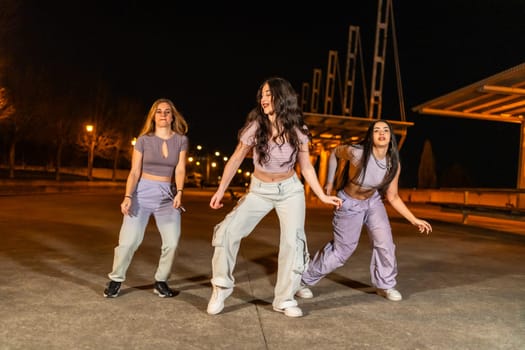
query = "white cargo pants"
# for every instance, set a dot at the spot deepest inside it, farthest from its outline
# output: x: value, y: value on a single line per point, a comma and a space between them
x: 288, y: 199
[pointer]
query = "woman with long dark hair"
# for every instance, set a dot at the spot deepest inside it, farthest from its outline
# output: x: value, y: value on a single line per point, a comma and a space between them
x: 276, y: 135
x: 368, y: 173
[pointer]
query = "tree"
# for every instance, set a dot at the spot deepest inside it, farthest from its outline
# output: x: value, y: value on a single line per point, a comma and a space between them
x: 10, y: 11
x: 6, y: 107
x: 112, y: 129
x: 427, y: 168
x: 26, y: 84
x: 128, y: 116
x: 59, y: 112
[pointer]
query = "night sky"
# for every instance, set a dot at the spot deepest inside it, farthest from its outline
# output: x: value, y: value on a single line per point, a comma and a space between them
x: 210, y: 60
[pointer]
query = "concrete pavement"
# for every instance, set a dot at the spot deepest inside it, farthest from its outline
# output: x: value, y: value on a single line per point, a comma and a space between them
x: 463, y: 286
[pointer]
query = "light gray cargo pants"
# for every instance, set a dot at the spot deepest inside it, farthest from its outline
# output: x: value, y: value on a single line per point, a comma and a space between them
x: 288, y: 199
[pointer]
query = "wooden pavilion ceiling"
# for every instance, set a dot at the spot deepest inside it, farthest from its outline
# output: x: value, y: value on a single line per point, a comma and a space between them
x: 330, y: 130
x: 500, y: 97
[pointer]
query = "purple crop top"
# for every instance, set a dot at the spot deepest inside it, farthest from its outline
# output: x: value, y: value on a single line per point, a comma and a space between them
x: 375, y: 169
x: 279, y: 154
x: 151, y: 148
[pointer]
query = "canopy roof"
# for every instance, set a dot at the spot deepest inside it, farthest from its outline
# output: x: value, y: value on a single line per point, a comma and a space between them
x: 500, y: 97
x: 331, y: 130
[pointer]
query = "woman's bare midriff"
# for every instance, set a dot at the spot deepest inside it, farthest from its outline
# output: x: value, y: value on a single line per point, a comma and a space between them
x: 272, y: 177
x: 357, y: 192
x: 155, y: 177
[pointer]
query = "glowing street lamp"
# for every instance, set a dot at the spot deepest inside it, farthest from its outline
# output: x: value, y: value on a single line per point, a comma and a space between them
x: 90, y: 129
x: 132, y: 143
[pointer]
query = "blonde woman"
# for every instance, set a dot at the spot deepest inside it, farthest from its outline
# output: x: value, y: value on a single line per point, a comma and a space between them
x: 158, y: 156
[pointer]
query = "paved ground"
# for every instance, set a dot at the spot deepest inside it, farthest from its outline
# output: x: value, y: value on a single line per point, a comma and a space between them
x: 463, y: 287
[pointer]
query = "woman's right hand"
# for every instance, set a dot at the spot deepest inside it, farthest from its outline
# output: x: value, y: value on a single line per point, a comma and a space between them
x: 125, y: 206
x: 334, y: 200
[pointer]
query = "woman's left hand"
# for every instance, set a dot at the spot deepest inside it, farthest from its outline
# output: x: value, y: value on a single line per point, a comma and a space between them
x: 177, y: 201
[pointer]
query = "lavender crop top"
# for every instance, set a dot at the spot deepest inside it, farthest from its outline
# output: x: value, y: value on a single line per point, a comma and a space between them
x: 279, y: 154
x: 151, y: 148
x: 375, y: 169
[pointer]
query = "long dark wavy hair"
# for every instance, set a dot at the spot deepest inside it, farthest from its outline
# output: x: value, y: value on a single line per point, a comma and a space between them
x: 289, y: 119
x: 392, y: 161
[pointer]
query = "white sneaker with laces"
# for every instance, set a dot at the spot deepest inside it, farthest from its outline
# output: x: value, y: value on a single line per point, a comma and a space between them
x: 290, y: 311
x: 218, y: 296
x: 304, y: 292
x: 391, y: 294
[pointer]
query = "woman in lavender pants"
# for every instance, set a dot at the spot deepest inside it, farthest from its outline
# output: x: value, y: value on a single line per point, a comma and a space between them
x: 159, y: 157
x: 369, y: 173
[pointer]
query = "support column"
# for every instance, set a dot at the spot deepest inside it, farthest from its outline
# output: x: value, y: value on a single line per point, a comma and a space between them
x: 323, y: 166
x: 321, y: 171
x: 521, y: 169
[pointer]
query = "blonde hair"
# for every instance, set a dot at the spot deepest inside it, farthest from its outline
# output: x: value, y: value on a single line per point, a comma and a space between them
x: 178, y: 124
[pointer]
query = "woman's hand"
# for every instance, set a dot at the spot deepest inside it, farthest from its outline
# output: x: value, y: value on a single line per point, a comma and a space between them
x: 335, y: 201
x: 423, y: 226
x: 125, y: 206
x: 177, y: 200
x: 215, y: 202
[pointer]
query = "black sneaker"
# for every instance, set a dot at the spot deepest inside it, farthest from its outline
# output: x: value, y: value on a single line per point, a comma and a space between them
x: 112, y: 289
x: 163, y: 290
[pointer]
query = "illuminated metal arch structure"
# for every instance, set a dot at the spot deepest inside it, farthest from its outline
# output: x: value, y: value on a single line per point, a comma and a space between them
x: 328, y: 129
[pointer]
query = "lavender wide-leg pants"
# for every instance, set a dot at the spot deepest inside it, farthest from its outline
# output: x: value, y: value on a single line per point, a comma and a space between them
x: 347, y: 224
x: 288, y: 200
x: 150, y: 198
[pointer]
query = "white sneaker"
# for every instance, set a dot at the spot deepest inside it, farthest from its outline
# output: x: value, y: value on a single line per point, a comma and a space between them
x: 290, y: 311
x: 304, y: 292
x: 217, y: 298
x: 391, y: 294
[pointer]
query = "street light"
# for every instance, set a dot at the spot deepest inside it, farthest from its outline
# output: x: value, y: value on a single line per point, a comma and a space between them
x: 91, y: 154
x: 132, y: 143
